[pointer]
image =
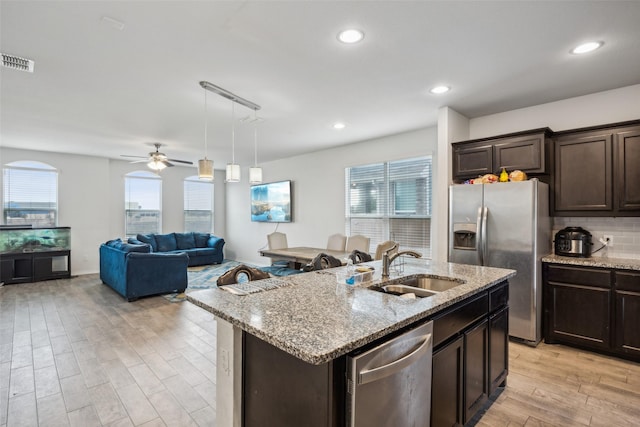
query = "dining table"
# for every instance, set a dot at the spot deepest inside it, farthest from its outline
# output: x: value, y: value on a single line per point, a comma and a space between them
x: 303, y: 254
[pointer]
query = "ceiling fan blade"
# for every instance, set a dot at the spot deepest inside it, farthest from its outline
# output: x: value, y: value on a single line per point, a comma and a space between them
x: 166, y: 163
x: 135, y: 157
x: 140, y: 161
x: 181, y: 161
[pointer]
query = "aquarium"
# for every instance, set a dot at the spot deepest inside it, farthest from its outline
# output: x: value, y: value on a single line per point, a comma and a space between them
x: 26, y: 240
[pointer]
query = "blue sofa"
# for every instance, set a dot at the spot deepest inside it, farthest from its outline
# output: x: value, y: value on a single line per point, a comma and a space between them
x: 134, y: 271
x: 202, y: 248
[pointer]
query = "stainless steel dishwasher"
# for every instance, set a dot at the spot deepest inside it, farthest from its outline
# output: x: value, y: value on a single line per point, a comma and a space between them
x: 390, y: 385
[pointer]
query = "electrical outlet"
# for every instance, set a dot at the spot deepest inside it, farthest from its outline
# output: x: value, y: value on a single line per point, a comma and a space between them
x: 609, y: 239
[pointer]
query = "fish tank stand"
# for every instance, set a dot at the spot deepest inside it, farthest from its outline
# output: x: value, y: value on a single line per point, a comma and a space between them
x: 33, y: 254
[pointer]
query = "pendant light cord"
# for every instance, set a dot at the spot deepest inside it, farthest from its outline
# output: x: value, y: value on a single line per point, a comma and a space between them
x: 233, y: 133
x: 255, y: 136
x: 205, y: 124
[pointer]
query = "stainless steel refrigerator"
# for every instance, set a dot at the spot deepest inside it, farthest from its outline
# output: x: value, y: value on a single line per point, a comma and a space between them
x: 505, y: 225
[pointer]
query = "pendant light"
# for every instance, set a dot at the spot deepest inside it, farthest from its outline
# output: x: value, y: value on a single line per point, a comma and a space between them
x: 205, y: 166
x: 233, y: 170
x: 255, y: 172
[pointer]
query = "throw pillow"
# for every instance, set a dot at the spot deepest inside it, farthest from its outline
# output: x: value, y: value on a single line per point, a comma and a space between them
x: 166, y: 242
x: 201, y: 239
x: 149, y: 239
x: 185, y: 240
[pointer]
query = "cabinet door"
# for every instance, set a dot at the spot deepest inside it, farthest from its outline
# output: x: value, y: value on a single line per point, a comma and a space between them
x: 476, y: 351
x: 627, y: 337
x: 628, y: 170
x: 580, y: 315
x: 471, y: 160
x: 498, y: 349
x: 526, y: 153
x: 583, y: 178
x: 446, y: 382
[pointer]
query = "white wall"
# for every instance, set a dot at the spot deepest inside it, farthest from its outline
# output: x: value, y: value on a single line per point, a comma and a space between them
x: 318, y: 192
x: 83, y: 199
x: 600, y: 108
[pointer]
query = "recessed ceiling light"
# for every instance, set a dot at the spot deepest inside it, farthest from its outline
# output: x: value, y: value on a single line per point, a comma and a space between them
x: 339, y: 125
x: 586, y: 47
x: 440, y: 89
x: 350, y: 36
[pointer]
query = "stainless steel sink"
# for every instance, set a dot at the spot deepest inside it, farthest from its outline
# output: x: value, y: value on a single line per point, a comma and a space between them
x: 398, y: 289
x: 430, y: 283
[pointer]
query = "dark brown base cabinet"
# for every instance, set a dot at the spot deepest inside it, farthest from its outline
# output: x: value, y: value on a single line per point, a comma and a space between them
x: 593, y: 308
x: 470, y: 360
x: 471, y: 364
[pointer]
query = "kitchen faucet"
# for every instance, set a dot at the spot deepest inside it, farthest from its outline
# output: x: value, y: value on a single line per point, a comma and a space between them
x: 388, y: 258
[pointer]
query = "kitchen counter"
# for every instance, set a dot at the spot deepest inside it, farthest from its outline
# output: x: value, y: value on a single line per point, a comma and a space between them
x: 602, y: 262
x: 317, y: 320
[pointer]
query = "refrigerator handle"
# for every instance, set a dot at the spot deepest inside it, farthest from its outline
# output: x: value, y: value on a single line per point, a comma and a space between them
x: 369, y: 375
x: 485, y: 214
x: 479, y: 236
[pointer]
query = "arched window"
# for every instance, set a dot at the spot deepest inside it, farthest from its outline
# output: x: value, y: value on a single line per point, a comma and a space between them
x: 30, y: 194
x: 198, y: 205
x: 142, y: 203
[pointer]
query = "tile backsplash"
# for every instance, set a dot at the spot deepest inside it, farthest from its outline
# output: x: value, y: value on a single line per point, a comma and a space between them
x: 625, y: 232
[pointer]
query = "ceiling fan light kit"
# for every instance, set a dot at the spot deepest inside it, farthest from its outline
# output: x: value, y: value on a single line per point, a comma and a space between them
x: 156, y: 160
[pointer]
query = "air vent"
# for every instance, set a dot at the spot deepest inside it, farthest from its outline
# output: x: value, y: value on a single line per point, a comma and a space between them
x: 17, y: 63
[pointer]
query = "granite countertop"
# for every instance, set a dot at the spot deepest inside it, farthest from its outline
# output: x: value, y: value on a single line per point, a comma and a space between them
x: 602, y: 262
x: 316, y: 319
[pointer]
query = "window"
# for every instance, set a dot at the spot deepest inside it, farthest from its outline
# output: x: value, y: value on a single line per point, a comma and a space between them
x: 391, y: 201
x: 30, y: 194
x: 198, y: 205
x: 142, y: 201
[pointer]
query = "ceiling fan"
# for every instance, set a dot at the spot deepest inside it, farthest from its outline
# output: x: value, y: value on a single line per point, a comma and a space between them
x: 157, y: 160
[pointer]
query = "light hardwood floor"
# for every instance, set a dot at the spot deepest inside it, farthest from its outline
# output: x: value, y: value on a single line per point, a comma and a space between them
x: 73, y: 352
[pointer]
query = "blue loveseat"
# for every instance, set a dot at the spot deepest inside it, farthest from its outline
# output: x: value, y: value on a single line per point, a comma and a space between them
x: 134, y: 271
x: 202, y: 248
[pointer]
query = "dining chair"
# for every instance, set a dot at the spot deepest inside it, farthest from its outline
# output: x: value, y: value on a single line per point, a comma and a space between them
x: 278, y: 240
x: 383, y: 247
x: 241, y: 274
x: 337, y: 242
x: 358, y: 242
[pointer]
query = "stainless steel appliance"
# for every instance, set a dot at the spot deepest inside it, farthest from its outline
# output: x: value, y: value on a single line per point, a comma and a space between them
x: 505, y: 225
x: 390, y: 384
x: 573, y: 241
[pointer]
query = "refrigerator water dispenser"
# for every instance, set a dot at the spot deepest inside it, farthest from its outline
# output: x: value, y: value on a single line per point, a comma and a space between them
x: 464, y: 236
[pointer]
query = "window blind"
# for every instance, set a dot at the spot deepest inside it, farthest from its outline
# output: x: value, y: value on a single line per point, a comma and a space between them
x: 198, y: 205
x: 143, y: 202
x: 391, y: 201
x: 30, y: 194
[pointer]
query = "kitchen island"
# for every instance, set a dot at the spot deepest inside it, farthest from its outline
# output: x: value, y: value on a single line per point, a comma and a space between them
x: 304, y: 327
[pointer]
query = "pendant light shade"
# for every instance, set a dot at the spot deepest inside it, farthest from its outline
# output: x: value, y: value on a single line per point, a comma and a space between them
x: 205, y: 166
x: 205, y: 169
x: 255, y: 175
x: 233, y: 170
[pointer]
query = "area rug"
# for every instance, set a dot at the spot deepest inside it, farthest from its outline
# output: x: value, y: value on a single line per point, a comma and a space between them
x: 204, y: 277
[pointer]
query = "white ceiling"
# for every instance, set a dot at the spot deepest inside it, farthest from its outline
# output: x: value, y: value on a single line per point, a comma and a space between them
x: 102, y: 91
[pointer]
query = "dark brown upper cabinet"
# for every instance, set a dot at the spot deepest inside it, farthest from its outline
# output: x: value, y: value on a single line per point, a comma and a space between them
x: 597, y: 172
x: 527, y: 151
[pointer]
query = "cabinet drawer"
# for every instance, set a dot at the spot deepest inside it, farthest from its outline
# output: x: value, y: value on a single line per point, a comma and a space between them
x: 627, y: 281
x: 459, y: 317
x: 597, y: 277
x: 498, y: 297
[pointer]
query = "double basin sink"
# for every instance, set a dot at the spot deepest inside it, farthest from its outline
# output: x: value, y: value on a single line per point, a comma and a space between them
x: 420, y: 285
